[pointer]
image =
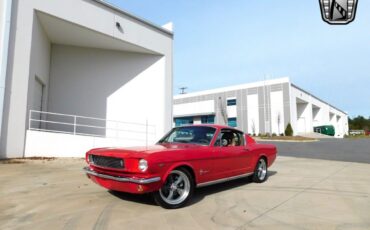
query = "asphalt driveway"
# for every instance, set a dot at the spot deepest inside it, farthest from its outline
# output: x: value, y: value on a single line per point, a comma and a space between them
x: 350, y: 150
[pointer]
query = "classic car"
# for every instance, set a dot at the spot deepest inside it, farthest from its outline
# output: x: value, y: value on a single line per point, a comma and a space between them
x: 184, y: 159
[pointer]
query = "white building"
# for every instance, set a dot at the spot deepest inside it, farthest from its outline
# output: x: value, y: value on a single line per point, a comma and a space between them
x: 78, y: 60
x: 259, y: 108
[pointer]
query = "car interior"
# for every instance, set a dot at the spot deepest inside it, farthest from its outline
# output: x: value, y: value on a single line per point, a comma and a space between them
x: 229, y: 138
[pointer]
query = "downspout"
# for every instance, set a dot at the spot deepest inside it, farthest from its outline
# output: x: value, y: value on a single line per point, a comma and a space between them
x: 4, y: 46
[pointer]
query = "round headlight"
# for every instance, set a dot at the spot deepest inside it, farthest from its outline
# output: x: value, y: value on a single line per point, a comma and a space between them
x: 143, y: 165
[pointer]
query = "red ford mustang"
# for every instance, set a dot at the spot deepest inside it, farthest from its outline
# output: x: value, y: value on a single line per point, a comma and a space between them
x: 185, y: 158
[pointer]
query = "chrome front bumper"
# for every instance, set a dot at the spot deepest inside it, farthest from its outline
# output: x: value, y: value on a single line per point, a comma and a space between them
x: 89, y: 171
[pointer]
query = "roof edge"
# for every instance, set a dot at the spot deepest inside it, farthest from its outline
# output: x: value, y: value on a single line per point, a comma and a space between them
x: 133, y: 16
x: 327, y: 103
x: 234, y: 87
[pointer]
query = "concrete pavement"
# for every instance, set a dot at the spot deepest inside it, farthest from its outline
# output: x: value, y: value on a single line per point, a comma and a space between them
x: 299, y: 194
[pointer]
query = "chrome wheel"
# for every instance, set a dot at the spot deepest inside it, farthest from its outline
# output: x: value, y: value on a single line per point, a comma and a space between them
x: 176, y: 188
x: 261, y: 169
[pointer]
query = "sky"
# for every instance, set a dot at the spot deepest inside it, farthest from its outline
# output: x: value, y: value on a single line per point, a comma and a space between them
x: 220, y: 43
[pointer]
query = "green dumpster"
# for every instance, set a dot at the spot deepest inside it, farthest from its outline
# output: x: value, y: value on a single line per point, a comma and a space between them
x: 325, y: 129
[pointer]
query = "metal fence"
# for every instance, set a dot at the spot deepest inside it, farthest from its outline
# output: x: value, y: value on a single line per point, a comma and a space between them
x: 90, y: 126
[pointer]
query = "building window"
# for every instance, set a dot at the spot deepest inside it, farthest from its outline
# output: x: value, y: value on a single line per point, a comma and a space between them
x: 184, y: 121
x: 231, y: 102
x: 231, y: 121
x: 210, y: 119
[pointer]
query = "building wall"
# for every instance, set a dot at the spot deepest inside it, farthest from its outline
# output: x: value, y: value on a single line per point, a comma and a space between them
x: 253, y: 106
x: 304, y: 108
x: 2, y: 20
x: 253, y: 115
x: 30, y: 50
x: 14, y: 122
x: 194, y: 108
x: 3, y: 51
x: 39, y: 64
x: 112, y: 85
x: 268, y: 107
x: 277, y: 112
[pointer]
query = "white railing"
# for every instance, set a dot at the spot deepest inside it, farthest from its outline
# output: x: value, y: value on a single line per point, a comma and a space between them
x: 90, y: 126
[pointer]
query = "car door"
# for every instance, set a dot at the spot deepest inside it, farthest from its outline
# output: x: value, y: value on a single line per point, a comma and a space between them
x: 231, y: 157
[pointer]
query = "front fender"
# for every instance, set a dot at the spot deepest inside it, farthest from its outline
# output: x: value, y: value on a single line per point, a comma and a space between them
x: 177, y: 165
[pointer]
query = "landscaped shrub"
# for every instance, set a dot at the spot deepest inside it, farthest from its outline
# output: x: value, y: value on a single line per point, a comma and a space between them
x: 288, y: 130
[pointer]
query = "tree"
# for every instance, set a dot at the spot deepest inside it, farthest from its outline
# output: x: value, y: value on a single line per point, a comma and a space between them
x: 359, y: 123
x: 288, y: 130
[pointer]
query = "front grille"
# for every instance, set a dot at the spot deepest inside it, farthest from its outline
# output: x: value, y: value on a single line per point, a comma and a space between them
x: 107, y: 162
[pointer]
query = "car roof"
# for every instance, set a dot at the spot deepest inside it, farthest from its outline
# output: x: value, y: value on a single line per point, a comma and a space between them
x: 211, y: 125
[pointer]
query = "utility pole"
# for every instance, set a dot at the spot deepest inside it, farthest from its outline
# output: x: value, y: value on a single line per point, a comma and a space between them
x: 182, y: 90
x: 223, y: 110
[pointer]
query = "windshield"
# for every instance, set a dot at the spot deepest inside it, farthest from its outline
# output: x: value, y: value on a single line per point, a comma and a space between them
x: 193, y: 134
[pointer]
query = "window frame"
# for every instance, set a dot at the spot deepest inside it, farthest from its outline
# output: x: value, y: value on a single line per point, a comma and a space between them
x: 238, y: 132
x: 188, y: 118
x: 207, y: 118
x: 187, y: 126
x: 232, y: 99
x: 236, y: 121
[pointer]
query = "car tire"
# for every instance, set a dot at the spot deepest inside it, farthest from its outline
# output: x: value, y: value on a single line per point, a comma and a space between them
x: 260, y: 172
x: 176, y: 191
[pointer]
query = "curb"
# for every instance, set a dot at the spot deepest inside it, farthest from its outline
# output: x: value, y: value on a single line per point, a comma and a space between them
x: 295, y: 141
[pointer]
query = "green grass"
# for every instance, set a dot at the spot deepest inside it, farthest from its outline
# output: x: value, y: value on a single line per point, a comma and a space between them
x: 288, y: 138
x: 357, y: 136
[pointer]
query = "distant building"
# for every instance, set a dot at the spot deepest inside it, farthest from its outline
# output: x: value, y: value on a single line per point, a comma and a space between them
x: 77, y: 74
x: 259, y: 108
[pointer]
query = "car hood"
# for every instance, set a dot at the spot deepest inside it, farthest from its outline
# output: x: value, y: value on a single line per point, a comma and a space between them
x: 141, y: 152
